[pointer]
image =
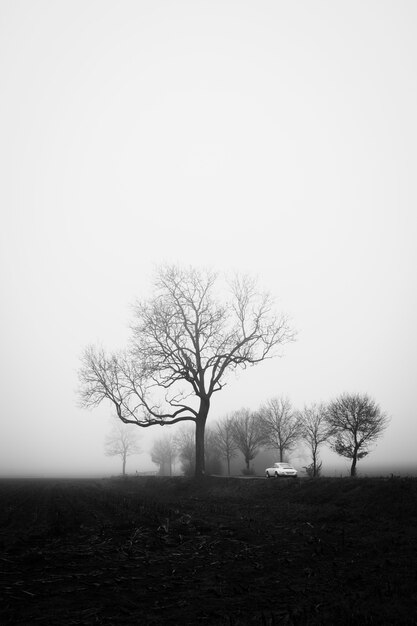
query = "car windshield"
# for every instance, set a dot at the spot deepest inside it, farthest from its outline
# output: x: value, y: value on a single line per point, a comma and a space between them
x: 284, y: 465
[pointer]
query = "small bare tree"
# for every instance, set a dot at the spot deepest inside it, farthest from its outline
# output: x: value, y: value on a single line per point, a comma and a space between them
x: 225, y: 440
x: 356, y: 422
x: 212, y: 452
x: 247, y: 435
x: 163, y: 453
x: 185, y: 445
x: 280, y: 425
x: 122, y: 441
x: 315, y: 431
x: 185, y: 340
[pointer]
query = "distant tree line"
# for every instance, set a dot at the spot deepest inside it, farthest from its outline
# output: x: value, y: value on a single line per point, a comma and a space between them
x: 348, y: 425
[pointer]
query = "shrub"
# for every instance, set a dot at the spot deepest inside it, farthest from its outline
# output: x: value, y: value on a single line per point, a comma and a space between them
x: 248, y: 471
x: 310, y: 470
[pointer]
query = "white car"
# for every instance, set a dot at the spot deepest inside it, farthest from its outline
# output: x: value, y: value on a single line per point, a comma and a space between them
x: 281, y: 469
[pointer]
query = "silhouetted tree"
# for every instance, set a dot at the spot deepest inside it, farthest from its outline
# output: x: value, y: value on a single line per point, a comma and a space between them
x: 225, y: 441
x: 315, y: 431
x: 122, y: 441
x: 247, y: 435
x: 357, y: 422
x: 185, y: 446
x: 163, y: 453
x: 280, y: 425
x: 185, y: 341
x: 212, y: 453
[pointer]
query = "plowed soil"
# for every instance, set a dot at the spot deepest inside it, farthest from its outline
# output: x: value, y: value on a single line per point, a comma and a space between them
x: 224, y: 551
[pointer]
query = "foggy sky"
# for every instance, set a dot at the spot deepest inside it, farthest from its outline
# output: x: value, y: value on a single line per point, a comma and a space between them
x: 270, y: 137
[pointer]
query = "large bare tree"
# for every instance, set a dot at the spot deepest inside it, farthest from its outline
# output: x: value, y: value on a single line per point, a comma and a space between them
x: 280, y: 425
x: 122, y: 442
x: 185, y: 340
x: 315, y: 431
x: 357, y: 422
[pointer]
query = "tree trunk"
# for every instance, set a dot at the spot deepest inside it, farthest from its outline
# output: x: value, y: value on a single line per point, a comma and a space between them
x: 124, y: 465
x: 200, y: 426
x: 353, y: 466
x: 228, y: 465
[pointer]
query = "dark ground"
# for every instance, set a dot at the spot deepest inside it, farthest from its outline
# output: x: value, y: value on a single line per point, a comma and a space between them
x: 226, y: 552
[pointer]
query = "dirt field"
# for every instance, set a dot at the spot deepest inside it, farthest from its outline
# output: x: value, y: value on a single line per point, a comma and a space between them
x: 227, y: 551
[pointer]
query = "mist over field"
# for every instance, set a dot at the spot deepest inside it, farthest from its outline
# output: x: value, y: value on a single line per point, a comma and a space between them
x: 270, y: 138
